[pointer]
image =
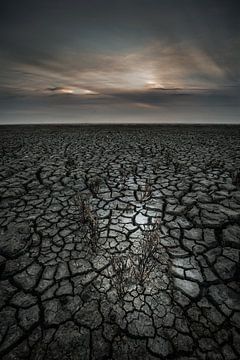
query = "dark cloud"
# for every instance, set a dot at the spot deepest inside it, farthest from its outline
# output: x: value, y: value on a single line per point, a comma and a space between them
x: 56, y: 88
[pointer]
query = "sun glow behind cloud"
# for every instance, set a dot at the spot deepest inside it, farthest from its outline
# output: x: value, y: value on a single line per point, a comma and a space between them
x: 154, y: 66
x: 71, y: 90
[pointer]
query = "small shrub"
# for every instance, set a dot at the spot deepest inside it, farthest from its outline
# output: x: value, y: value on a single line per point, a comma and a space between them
x: 124, y: 173
x: 144, y: 261
x: 121, y: 266
x: 93, y: 236
x: 89, y: 218
x: 214, y: 163
x: 70, y: 163
x: 146, y: 191
x: 178, y: 166
x: 93, y: 232
x: 84, y: 208
x: 236, y: 178
x: 93, y: 184
x: 130, y: 208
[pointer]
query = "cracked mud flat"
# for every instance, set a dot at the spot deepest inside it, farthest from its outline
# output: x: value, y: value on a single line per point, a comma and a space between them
x: 76, y: 205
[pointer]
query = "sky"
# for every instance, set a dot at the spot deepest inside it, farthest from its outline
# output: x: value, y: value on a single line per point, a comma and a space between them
x: 87, y: 61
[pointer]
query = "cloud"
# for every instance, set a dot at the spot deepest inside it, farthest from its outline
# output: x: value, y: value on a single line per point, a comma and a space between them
x: 160, y: 64
x: 127, y: 55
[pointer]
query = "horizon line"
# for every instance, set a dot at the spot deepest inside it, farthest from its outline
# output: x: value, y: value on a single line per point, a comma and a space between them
x: 123, y: 124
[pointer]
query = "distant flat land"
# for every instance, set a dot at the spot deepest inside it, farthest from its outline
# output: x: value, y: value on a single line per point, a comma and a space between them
x: 120, y: 242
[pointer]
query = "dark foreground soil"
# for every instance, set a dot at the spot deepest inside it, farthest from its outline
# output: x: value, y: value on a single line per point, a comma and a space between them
x: 120, y: 242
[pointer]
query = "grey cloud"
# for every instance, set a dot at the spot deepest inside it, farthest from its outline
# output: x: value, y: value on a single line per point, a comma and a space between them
x: 118, y: 50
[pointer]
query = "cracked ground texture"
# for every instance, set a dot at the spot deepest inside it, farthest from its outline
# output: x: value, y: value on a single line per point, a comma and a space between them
x: 77, y: 207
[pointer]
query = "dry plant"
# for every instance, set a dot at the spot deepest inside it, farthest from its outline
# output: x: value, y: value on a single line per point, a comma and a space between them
x: 130, y: 208
x: 93, y: 232
x: 84, y: 208
x: 146, y: 192
x: 121, y: 265
x: 93, y: 183
x: 70, y: 163
x: 144, y: 261
x: 90, y: 219
x: 124, y: 173
x: 178, y: 166
x: 168, y: 157
x: 134, y: 267
x: 214, y: 163
x: 236, y: 178
x: 135, y: 169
